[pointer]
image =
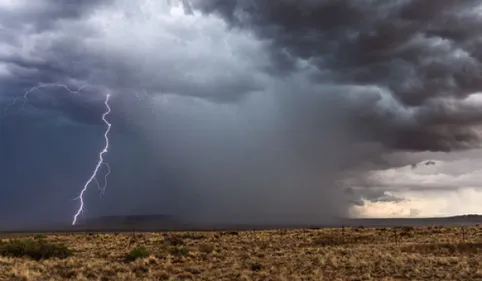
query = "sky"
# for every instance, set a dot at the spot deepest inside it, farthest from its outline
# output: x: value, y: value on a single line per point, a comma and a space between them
x: 241, y: 111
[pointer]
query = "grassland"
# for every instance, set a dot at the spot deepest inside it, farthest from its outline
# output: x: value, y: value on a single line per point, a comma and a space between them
x: 429, y: 253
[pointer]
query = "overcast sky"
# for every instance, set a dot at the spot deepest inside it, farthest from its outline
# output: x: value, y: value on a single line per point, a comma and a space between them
x: 241, y: 111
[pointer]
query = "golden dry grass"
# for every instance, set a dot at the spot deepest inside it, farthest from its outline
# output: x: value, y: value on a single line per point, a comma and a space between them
x: 321, y: 254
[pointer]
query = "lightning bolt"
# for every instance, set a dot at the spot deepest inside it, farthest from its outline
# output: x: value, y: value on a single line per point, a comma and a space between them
x: 100, y: 162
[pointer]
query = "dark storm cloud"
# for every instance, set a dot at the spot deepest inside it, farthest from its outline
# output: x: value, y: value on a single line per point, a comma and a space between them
x: 49, y: 63
x: 251, y: 129
x: 424, y: 54
x: 202, y: 164
x: 421, y: 56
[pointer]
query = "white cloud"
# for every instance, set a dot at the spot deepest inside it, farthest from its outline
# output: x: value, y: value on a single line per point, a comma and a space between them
x: 455, y: 174
x: 450, y: 187
x: 165, y: 46
x: 145, y: 45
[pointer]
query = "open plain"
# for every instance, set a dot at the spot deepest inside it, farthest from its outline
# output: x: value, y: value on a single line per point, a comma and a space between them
x: 402, y: 253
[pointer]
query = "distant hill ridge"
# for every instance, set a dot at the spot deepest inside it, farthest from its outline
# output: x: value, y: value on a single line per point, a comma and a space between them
x: 122, y: 223
x: 130, y: 218
x: 131, y: 222
x: 468, y: 216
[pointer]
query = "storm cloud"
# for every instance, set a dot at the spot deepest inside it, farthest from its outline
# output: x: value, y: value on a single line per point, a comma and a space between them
x: 411, y: 64
x: 231, y: 111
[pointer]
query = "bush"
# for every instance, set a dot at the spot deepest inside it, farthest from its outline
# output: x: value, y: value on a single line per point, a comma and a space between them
x: 407, y: 234
x: 192, y: 236
x: 40, y: 237
x: 34, y: 249
x: 206, y: 248
x: 232, y: 233
x: 256, y: 266
x: 178, y: 250
x: 137, y: 253
x: 174, y: 241
x: 408, y: 228
x: 327, y: 241
x: 359, y: 228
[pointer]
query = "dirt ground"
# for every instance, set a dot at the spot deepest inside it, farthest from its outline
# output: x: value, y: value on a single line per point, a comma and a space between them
x: 430, y: 253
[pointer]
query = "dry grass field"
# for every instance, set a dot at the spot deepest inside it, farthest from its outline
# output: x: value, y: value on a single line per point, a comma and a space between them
x: 430, y: 253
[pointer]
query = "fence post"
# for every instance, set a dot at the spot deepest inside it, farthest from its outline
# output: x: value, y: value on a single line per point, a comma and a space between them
x: 395, y: 235
x: 343, y: 234
x: 463, y: 234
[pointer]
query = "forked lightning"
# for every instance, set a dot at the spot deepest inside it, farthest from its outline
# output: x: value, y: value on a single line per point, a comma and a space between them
x: 99, y: 163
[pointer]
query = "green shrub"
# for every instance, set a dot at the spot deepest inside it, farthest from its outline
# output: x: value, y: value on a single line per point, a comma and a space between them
x: 178, y: 250
x: 34, y: 249
x: 137, y: 253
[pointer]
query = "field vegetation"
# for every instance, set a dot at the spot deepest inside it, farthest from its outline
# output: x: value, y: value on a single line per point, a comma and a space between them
x: 405, y: 253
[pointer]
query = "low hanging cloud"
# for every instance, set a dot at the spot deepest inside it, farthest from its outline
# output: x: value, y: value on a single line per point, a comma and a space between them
x: 234, y: 111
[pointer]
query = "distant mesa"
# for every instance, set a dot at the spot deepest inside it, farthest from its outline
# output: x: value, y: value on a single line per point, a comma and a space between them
x: 467, y: 217
x: 138, y: 222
